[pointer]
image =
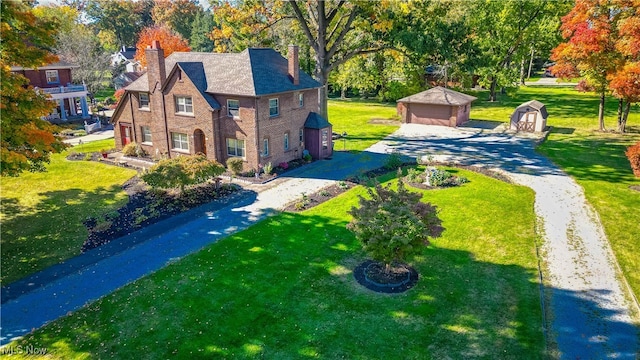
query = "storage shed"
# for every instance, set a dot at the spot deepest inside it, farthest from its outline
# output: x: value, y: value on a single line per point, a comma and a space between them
x: 436, y: 106
x: 317, y: 136
x: 530, y: 117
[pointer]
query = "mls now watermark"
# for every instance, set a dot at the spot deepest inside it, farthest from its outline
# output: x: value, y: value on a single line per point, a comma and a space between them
x: 23, y: 350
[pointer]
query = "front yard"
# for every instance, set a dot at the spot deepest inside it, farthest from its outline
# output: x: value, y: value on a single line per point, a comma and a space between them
x: 284, y: 288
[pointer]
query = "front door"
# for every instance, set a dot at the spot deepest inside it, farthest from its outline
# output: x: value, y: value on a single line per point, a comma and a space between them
x: 125, y: 134
x: 199, y: 142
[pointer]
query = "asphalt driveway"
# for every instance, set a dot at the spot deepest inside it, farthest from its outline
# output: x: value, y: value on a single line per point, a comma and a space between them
x: 588, y: 315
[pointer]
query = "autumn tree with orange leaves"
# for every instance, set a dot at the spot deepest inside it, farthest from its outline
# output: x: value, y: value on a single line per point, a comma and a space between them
x: 169, y: 41
x: 602, y: 41
x: 26, y: 141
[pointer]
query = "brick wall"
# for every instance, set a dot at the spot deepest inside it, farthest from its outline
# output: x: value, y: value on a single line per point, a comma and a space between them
x: 38, y: 78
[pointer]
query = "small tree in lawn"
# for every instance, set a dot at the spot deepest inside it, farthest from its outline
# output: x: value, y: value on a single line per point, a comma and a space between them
x: 393, y: 226
x: 182, y: 171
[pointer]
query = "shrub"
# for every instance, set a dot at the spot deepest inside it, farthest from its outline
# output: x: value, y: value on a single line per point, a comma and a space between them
x: 439, y: 177
x: 393, y: 226
x: 394, y: 160
x: 284, y: 165
x: 633, y: 154
x: 414, y: 175
x: 268, y: 168
x: 181, y: 172
x: 88, y: 157
x: 133, y: 149
x: 235, y: 165
x: 307, y: 157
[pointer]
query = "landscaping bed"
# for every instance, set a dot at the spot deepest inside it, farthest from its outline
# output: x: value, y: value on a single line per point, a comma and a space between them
x: 146, y: 207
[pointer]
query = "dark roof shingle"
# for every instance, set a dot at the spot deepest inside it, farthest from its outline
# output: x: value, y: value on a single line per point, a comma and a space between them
x: 439, y: 96
x: 316, y: 121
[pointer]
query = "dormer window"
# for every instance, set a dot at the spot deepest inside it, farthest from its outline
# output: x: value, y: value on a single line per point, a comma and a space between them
x: 52, y: 77
x: 144, y: 100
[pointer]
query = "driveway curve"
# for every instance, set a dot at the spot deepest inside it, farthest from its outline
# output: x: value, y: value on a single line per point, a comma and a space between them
x: 587, y: 312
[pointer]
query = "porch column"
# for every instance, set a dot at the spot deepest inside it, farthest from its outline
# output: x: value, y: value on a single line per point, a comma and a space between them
x: 63, y: 112
x: 85, y: 108
x: 72, y: 105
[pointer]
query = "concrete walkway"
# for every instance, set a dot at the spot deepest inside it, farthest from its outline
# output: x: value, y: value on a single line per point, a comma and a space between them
x: 98, y: 135
x: 549, y: 81
x: 588, y: 314
x: 54, y: 292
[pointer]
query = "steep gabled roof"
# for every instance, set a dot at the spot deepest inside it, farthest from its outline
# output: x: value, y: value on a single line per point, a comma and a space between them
x: 439, y: 96
x: 53, y: 66
x: 537, y: 105
x: 195, y: 72
x: 253, y: 72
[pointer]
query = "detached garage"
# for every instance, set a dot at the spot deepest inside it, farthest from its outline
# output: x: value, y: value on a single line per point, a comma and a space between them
x: 437, y: 106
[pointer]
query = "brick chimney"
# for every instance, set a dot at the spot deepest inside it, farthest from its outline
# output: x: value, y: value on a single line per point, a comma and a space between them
x: 294, y: 65
x: 156, y: 71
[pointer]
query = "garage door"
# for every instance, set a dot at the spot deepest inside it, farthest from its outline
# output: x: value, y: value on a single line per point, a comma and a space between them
x: 430, y: 114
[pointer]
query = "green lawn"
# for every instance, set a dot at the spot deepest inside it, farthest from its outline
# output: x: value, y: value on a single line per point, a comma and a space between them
x: 284, y: 289
x: 595, y: 160
x: 354, y: 117
x: 42, y: 213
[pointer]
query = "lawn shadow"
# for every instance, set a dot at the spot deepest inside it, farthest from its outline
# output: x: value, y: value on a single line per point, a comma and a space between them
x: 288, y: 287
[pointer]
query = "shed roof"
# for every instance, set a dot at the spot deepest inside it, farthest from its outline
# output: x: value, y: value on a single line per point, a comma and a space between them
x: 316, y: 121
x: 439, y: 96
x: 253, y: 72
x: 537, y: 105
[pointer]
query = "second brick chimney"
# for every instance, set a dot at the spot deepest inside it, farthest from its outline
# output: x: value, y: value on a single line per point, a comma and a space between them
x: 294, y: 65
x: 156, y: 71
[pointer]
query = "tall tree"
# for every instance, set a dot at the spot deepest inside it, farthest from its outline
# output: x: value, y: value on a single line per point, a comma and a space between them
x: 200, y: 29
x: 178, y: 15
x: 589, y: 48
x: 26, y: 141
x: 125, y: 18
x: 169, y: 41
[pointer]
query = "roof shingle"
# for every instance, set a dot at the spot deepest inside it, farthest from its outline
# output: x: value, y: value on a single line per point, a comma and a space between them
x: 439, y: 96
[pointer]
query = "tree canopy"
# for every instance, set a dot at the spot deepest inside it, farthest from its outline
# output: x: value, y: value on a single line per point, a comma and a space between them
x: 26, y: 141
x: 169, y: 41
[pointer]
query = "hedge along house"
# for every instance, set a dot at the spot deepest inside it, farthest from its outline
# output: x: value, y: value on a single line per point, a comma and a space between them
x: 436, y: 106
x: 252, y: 105
x: 530, y: 117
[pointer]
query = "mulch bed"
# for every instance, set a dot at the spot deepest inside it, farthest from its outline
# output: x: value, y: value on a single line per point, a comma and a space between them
x: 146, y: 207
x: 318, y: 197
x: 369, y: 275
x: 250, y: 176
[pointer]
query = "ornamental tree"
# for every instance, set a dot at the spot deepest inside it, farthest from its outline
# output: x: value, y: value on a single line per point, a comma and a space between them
x: 169, y: 41
x: 26, y: 141
x: 394, y: 225
x: 182, y: 171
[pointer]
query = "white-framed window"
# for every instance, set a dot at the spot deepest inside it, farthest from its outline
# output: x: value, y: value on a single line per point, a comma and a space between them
x: 233, y: 108
x: 286, y: 141
x: 179, y: 141
x: 144, y: 100
x: 325, y: 139
x: 301, y: 136
x: 52, y: 77
x: 235, y: 147
x: 274, y: 107
x: 184, y: 104
x: 300, y: 99
x: 265, y: 147
x: 146, y: 134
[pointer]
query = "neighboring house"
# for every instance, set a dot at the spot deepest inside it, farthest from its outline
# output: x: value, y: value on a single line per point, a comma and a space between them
x: 436, y: 106
x: 55, y: 79
x: 126, y: 56
x: 252, y: 105
x: 124, y: 79
x: 530, y: 116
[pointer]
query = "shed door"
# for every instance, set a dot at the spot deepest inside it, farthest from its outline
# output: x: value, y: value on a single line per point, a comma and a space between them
x: 527, y: 121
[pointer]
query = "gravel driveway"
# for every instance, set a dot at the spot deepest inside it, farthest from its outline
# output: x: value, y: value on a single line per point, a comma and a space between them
x: 588, y: 315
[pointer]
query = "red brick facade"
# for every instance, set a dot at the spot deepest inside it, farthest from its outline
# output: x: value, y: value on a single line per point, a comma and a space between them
x: 206, y: 129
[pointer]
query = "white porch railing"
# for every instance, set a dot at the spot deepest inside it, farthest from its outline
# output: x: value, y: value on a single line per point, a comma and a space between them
x: 64, y: 89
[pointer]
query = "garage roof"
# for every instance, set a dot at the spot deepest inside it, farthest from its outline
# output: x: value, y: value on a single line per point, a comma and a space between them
x: 439, y: 96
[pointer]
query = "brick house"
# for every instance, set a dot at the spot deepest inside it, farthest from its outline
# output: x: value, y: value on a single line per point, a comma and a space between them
x: 55, y: 79
x: 252, y: 104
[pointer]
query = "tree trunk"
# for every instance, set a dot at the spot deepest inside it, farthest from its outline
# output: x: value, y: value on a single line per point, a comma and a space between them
x: 601, y: 111
x: 620, y: 106
x: 492, y: 90
x: 343, y: 93
x: 530, y: 64
x: 522, y: 71
x: 622, y: 125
